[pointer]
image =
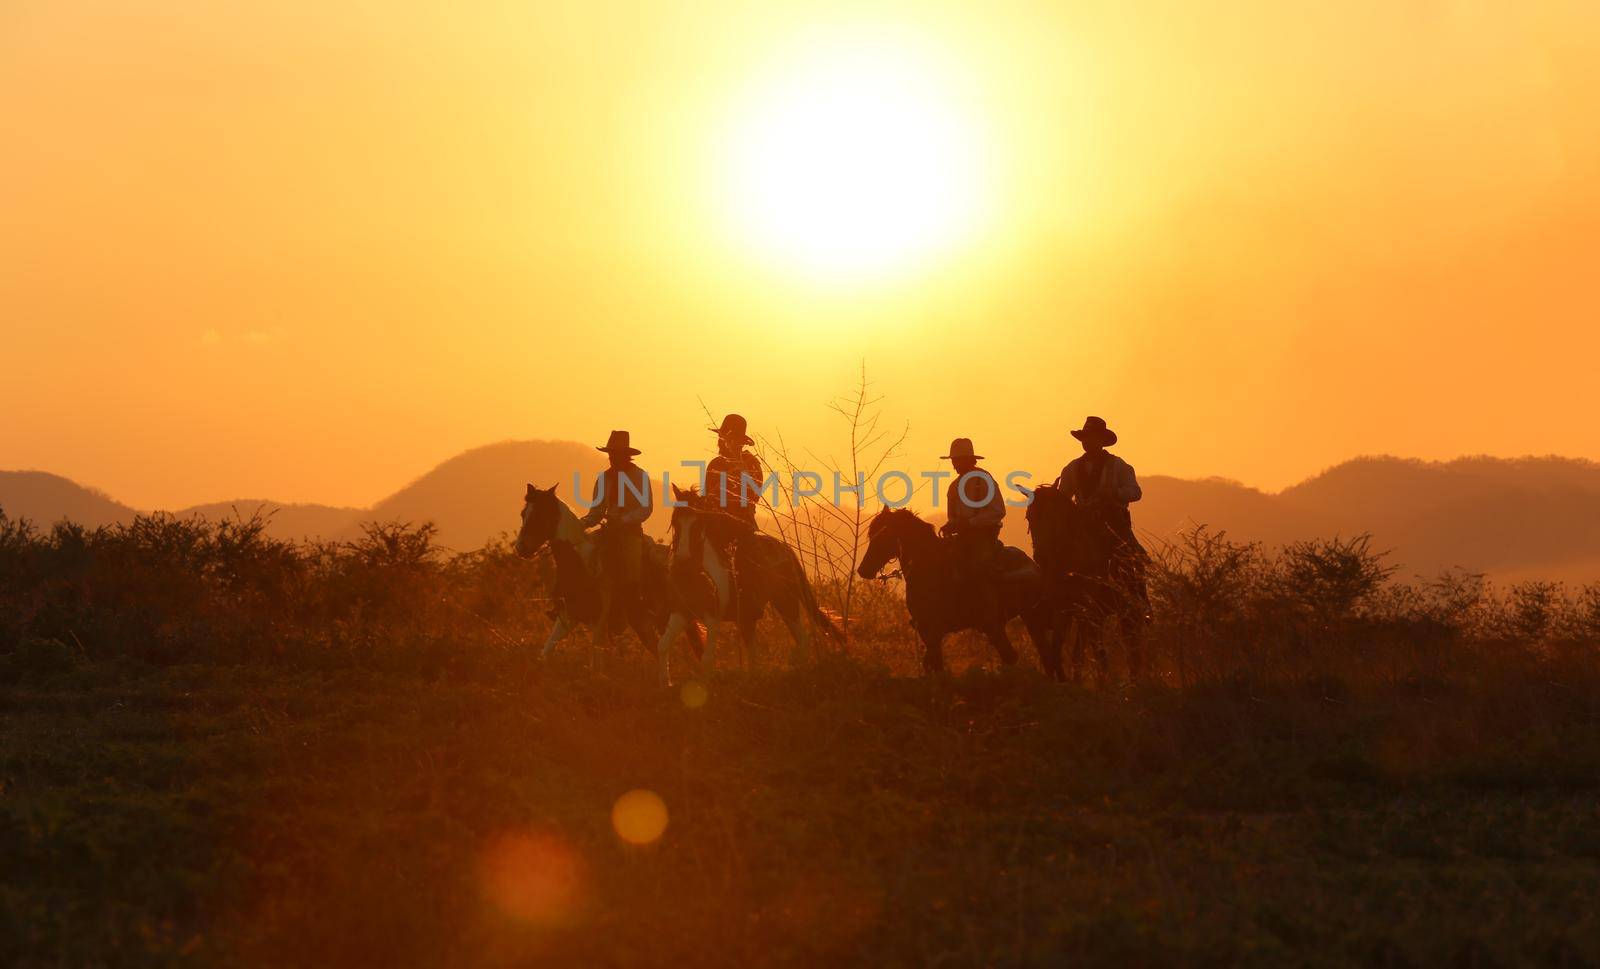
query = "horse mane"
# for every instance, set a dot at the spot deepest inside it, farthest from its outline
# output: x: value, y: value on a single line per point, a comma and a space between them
x: 894, y: 515
x: 551, y: 508
x: 687, y: 500
x: 715, y: 520
x: 1046, y: 499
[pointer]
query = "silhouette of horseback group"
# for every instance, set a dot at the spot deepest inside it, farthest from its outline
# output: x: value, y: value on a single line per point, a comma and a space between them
x: 1088, y: 568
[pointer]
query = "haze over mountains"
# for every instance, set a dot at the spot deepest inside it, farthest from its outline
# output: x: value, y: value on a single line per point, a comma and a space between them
x: 1511, y: 518
x: 472, y: 497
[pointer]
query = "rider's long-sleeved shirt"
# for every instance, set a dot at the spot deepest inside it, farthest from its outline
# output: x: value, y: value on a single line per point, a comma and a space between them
x: 616, y: 503
x: 1104, y: 477
x: 974, y: 503
x: 726, y: 483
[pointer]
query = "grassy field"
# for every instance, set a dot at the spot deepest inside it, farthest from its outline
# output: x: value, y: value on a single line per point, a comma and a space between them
x: 233, y: 815
x: 216, y: 749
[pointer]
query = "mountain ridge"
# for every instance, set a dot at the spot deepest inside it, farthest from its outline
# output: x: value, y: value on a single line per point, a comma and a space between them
x: 1510, y: 517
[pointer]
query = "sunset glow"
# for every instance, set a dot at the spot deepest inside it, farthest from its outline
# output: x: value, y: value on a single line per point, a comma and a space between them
x: 704, y: 483
x: 854, y: 161
x: 307, y: 251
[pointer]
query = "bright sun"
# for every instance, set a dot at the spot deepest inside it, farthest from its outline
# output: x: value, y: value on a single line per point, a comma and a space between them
x: 854, y: 161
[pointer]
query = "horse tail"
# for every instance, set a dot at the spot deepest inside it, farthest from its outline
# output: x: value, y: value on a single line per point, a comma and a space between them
x: 823, y: 619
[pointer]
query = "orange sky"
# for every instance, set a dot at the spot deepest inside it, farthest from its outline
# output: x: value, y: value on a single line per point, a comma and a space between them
x: 305, y: 250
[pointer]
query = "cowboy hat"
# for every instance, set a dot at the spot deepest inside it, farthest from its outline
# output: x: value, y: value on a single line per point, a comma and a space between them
x: 618, y: 441
x: 961, y: 447
x: 733, y: 426
x: 1095, y: 431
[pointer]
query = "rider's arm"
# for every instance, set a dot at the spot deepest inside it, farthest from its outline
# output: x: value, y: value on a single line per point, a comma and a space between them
x: 637, y: 511
x: 993, y: 509
x: 1126, y: 484
x: 1063, y: 482
x: 597, y: 499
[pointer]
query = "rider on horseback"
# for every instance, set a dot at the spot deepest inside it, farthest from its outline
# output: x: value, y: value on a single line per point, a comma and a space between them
x: 976, y: 509
x: 621, y: 503
x: 733, y: 477
x: 733, y: 483
x: 1105, y: 484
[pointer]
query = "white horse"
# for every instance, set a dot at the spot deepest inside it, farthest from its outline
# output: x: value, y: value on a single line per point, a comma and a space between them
x: 706, y: 588
x: 584, y: 594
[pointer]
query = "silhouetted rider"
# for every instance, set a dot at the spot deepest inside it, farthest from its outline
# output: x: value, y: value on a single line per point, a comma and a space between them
x: 733, y: 477
x: 622, y: 503
x: 976, y: 510
x: 1104, y: 483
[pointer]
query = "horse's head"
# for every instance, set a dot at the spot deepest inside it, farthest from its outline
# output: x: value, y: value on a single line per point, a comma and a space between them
x: 886, y: 534
x: 687, y: 506
x: 541, y: 512
x: 1066, y: 535
x: 700, y: 518
x: 1045, y: 505
x: 686, y: 503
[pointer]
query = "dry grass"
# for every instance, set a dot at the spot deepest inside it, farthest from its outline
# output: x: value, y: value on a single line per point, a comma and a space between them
x: 217, y: 749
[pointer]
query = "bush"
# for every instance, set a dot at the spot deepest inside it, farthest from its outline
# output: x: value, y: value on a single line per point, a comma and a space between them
x: 166, y: 590
x: 163, y: 590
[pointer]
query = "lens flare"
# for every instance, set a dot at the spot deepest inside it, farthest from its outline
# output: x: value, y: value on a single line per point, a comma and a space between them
x: 639, y: 817
x: 534, y: 877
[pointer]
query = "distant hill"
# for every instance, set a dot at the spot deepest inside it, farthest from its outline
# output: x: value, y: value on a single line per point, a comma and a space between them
x: 1511, y: 518
x: 1528, y: 516
x: 472, y: 497
x: 45, y: 499
x: 477, y: 494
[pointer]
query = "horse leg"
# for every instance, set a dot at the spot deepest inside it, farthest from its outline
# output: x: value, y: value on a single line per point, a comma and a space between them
x: 996, y: 634
x: 1102, y: 662
x: 747, y: 640
x: 675, y: 624
x: 932, y: 653
x: 643, y: 627
x: 1133, y: 624
x: 708, y: 660
x: 800, y: 630
x: 1042, y: 633
x: 558, y: 632
x: 602, y: 627
x: 697, y: 644
x: 1073, y: 636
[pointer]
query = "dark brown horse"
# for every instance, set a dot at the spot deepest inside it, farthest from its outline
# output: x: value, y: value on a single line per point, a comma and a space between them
x: 712, y: 582
x: 941, y: 603
x: 584, y: 594
x: 1092, y: 577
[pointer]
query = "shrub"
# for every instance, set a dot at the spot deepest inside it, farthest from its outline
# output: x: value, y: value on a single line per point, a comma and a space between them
x: 166, y: 590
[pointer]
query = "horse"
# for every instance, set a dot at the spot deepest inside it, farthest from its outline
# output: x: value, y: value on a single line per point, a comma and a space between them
x: 711, y: 585
x: 940, y: 604
x: 584, y: 594
x: 1078, y: 551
